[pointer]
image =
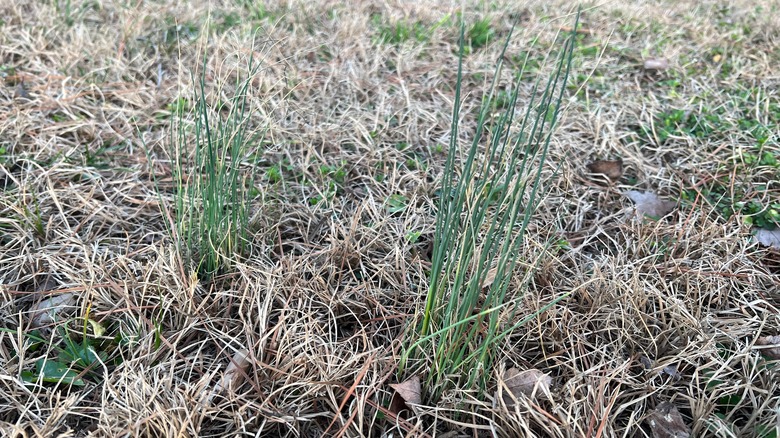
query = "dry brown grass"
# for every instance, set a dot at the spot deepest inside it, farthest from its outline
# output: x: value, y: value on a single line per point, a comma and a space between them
x: 321, y: 302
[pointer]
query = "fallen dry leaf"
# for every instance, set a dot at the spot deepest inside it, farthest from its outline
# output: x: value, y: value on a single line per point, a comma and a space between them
x: 529, y: 383
x: 656, y: 64
x: 770, y: 238
x: 407, y: 394
x: 671, y: 370
x: 771, y: 346
x: 45, y: 312
x: 646, y: 362
x: 235, y: 371
x: 490, y: 277
x: 666, y: 422
x: 21, y: 92
x: 48, y: 284
x: 650, y: 204
x: 612, y: 169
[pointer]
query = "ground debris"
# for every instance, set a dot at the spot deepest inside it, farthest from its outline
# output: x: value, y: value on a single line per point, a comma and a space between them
x: 656, y: 64
x: 649, y: 204
x: 612, y: 169
x: 45, y: 312
x: 666, y: 422
x: 235, y: 371
x: 529, y: 383
x: 770, y: 238
x: 771, y: 346
x: 407, y: 394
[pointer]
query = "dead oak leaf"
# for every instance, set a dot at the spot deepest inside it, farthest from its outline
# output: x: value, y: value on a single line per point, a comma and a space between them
x: 770, y: 238
x: 771, y: 346
x: 490, y: 277
x: 656, y: 64
x: 671, y: 370
x: 235, y: 371
x: 649, y: 204
x: 21, y: 92
x: 612, y: 169
x: 529, y: 383
x: 46, y: 311
x: 665, y: 421
x: 407, y: 394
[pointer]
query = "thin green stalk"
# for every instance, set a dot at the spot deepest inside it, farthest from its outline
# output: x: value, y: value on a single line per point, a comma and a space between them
x: 487, y: 200
x: 210, y: 206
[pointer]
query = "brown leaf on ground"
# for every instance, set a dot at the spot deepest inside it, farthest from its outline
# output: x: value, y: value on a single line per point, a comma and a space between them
x: 656, y: 64
x: 235, y: 371
x: 646, y: 362
x: 529, y: 383
x: 650, y: 204
x: 407, y: 393
x: 21, y: 92
x: 666, y: 422
x: 490, y: 278
x: 612, y: 169
x: 671, y: 370
x: 48, y: 284
x: 771, y: 346
x: 770, y: 238
x: 45, y: 312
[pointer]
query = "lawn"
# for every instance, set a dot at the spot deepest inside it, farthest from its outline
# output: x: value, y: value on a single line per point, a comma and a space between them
x: 327, y: 218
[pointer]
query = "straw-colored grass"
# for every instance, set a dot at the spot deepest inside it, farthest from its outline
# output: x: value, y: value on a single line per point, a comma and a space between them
x: 343, y: 210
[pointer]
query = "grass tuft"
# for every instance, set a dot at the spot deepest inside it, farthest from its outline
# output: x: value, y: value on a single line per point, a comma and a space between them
x: 207, y: 145
x: 482, y: 218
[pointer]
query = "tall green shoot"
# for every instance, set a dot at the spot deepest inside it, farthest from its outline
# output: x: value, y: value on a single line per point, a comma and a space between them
x: 207, y: 144
x: 488, y: 198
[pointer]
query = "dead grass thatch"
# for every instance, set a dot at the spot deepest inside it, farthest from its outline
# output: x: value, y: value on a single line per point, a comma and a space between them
x: 670, y: 310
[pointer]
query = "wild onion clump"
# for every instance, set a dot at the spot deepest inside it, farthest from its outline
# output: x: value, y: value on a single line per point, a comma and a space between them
x: 208, y: 140
x: 488, y: 196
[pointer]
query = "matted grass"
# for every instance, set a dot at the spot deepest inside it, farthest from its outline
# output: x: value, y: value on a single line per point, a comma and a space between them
x: 357, y: 101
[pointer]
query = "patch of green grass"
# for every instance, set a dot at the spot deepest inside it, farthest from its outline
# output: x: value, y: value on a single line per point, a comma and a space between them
x: 397, y: 203
x: 715, y: 115
x: 586, y: 47
x: 766, y: 431
x: 206, y: 146
x: 730, y: 399
x: 274, y: 174
x: 226, y: 21
x: 682, y: 123
x: 412, y: 236
x: 335, y: 172
x: 481, y: 220
x: 412, y: 159
x: 750, y: 201
x: 501, y: 100
x: 529, y: 60
x: 400, y: 32
x: 176, y: 32
x: 5, y: 155
x: 746, y: 181
x: 7, y: 70
x: 328, y: 184
x: 258, y: 11
x: 750, y: 190
x: 480, y: 34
